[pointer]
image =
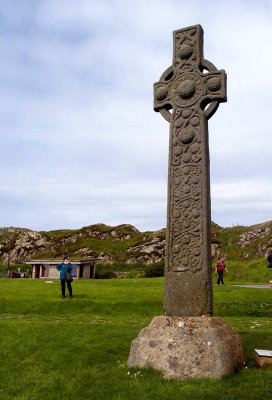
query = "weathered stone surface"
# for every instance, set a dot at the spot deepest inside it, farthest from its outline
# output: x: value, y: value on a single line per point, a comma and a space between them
x: 216, y: 247
x: 192, y: 347
x: 105, y: 258
x: 149, y: 252
x: 25, y: 246
x: 188, y: 91
x: 249, y: 237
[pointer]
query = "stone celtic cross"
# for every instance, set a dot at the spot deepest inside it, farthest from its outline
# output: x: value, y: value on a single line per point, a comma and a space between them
x: 192, y: 88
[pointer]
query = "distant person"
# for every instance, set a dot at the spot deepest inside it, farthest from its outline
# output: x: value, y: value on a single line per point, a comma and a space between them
x: 269, y: 259
x: 219, y: 269
x: 65, y: 267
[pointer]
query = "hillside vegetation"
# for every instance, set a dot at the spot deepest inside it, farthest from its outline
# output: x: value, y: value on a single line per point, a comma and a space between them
x: 127, y: 245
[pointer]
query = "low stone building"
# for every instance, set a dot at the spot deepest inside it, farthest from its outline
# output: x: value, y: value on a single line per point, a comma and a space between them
x: 82, y: 269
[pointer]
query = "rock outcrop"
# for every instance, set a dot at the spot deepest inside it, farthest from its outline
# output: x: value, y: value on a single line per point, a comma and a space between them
x: 126, y: 244
x: 23, y: 246
x: 253, y: 235
x: 150, y: 251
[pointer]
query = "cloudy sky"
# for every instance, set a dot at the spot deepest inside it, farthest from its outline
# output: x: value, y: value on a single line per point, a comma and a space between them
x: 80, y: 142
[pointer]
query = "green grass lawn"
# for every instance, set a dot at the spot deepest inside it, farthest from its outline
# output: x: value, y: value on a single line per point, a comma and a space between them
x: 77, y: 349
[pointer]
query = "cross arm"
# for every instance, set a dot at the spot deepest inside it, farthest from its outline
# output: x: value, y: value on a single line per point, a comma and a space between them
x: 162, y: 101
x: 214, y: 92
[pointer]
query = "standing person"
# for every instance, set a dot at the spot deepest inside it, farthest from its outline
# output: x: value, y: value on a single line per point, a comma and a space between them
x: 65, y: 267
x: 220, y: 268
x: 269, y: 259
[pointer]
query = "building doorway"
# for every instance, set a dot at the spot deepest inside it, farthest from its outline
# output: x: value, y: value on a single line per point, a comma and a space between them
x: 42, y: 271
x: 37, y: 271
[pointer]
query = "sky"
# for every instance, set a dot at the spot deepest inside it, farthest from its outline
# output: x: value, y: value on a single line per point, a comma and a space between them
x: 80, y: 142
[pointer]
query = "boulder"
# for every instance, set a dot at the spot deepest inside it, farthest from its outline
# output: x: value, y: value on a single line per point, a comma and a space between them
x: 188, y: 347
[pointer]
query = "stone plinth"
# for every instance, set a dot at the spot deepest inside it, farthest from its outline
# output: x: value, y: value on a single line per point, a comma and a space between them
x: 188, y: 347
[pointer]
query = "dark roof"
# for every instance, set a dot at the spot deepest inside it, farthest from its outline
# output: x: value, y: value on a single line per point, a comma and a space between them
x: 60, y: 261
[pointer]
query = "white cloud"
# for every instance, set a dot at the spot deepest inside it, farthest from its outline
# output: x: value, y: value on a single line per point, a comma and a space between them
x: 243, y: 201
x: 80, y: 141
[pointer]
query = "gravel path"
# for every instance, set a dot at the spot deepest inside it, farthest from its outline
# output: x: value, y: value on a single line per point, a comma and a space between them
x: 254, y: 286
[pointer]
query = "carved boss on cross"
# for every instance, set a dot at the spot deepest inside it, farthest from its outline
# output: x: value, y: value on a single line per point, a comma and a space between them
x: 184, y: 84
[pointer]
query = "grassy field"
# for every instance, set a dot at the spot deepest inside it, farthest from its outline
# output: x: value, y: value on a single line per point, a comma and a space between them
x: 77, y: 349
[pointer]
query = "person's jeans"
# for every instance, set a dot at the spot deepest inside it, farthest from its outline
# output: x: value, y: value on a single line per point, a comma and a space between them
x: 220, y: 277
x: 69, y: 286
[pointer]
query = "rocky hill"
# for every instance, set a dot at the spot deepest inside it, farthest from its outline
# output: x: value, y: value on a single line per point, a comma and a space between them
x: 124, y: 243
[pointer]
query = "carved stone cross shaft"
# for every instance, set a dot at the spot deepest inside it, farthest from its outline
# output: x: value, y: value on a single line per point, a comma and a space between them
x: 193, y: 88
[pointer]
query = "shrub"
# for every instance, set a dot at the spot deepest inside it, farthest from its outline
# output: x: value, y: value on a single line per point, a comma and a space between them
x: 154, y: 270
x: 140, y: 275
x: 131, y: 274
x: 120, y: 267
x: 105, y: 275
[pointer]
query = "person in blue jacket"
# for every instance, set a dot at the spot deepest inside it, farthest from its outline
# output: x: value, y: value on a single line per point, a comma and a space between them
x: 64, y: 267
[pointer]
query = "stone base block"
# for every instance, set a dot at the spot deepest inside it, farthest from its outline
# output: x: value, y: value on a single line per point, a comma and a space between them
x: 188, y: 347
x: 263, y: 358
